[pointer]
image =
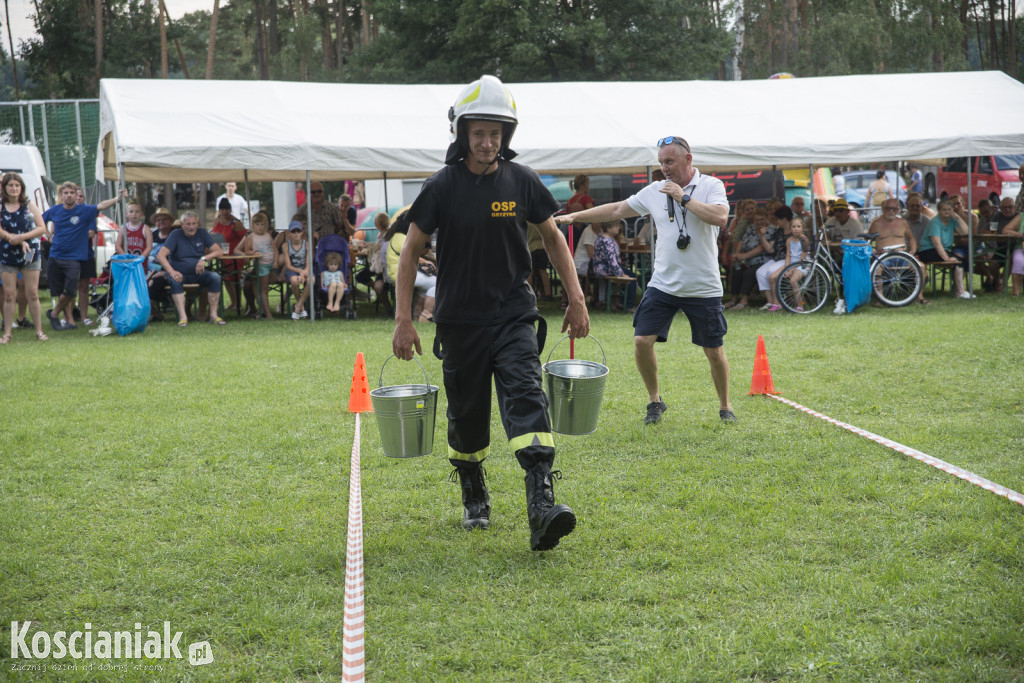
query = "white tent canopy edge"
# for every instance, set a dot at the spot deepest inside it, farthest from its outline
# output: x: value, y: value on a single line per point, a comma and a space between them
x: 175, y: 130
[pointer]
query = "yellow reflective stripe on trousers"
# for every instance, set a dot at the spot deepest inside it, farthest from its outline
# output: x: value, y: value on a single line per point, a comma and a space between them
x: 469, y: 457
x: 531, y: 439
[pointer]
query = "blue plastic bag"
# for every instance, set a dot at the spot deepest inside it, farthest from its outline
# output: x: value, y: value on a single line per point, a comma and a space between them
x: 131, y: 296
x: 856, y: 273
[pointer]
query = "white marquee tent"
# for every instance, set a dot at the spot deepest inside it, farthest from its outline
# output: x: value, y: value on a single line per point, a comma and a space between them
x: 194, y: 130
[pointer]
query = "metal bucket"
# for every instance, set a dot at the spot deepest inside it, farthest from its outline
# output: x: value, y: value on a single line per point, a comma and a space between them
x: 575, y: 389
x: 405, y: 416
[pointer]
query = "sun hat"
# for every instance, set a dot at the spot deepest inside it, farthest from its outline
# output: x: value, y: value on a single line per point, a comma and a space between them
x: 295, y: 225
x: 161, y: 212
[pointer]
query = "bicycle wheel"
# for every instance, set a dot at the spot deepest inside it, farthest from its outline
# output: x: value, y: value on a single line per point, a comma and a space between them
x: 811, y: 290
x: 896, y: 279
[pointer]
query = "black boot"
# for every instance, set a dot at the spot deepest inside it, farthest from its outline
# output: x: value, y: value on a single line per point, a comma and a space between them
x: 476, y: 513
x: 548, y: 522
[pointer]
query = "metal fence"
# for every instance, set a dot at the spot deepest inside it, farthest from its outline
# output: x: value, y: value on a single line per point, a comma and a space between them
x: 65, y: 131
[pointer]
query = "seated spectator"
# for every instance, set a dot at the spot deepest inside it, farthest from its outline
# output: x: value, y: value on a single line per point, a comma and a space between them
x: 157, y: 278
x: 539, y: 278
x: 327, y: 219
x: 1011, y: 224
x: 937, y: 245
x: 21, y: 226
x: 748, y: 255
x: 183, y: 256
x: 797, y: 250
x: 425, y: 281
x: 969, y: 219
x: 608, y: 260
x: 894, y: 231
x: 294, y: 259
x: 742, y: 220
x: 917, y: 216
x: 231, y: 229
x: 990, y: 256
x: 782, y: 219
x: 332, y: 281
x: 582, y: 258
x: 800, y: 211
x: 373, y: 274
x: 348, y: 214
x: 842, y: 226
x: 259, y: 241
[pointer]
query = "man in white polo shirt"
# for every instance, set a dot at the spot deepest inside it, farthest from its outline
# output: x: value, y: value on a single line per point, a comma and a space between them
x: 689, y: 209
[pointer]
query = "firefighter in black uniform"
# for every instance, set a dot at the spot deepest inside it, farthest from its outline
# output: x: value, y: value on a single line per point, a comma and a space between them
x: 478, y: 206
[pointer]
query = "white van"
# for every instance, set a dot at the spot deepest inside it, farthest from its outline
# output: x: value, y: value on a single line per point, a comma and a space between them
x: 26, y: 161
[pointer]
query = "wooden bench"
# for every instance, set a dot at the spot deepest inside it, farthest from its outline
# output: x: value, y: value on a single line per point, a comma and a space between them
x: 613, y: 285
x: 936, y: 268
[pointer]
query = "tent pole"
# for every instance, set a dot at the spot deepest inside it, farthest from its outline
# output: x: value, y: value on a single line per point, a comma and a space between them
x: 814, y: 211
x: 248, y: 209
x: 970, y: 228
x: 123, y: 203
x: 310, y: 255
x: 773, y: 184
x: 386, y: 210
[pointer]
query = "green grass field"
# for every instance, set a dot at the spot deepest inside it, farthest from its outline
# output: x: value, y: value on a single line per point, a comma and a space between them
x: 200, y: 476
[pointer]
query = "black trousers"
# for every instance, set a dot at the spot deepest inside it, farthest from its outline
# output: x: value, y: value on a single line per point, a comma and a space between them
x: 506, y: 352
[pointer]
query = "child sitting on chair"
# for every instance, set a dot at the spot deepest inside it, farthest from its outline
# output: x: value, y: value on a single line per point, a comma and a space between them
x: 333, y: 280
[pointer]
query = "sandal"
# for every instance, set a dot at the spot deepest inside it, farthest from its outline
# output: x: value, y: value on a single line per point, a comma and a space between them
x: 182, y: 323
x: 218, y: 321
x: 6, y: 339
x: 41, y: 337
x: 923, y: 301
x: 739, y: 307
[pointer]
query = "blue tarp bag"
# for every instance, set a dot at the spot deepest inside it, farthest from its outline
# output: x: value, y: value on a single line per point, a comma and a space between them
x: 856, y: 273
x: 131, y: 296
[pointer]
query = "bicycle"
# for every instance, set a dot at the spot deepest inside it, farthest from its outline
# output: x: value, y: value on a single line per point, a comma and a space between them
x: 896, y: 278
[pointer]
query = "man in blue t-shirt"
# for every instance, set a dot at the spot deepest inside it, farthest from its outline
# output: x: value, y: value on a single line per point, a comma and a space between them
x: 184, y: 256
x: 69, y: 224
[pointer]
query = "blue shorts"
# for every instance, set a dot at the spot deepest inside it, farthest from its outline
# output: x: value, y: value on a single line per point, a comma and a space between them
x: 657, y: 309
x: 62, y: 276
x: 208, y: 280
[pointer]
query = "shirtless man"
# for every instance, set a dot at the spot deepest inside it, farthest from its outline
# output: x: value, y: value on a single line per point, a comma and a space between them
x: 895, y: 231
x: 892, y: 230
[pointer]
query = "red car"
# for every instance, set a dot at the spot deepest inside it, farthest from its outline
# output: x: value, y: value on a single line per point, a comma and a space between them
x: 992, y: 177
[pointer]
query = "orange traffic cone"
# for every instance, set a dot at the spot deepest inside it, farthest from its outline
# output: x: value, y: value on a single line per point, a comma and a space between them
x: 761, y: 382
x: 359, y: 399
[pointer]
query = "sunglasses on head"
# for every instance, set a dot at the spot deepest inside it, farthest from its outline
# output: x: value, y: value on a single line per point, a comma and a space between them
x: 674, y: 138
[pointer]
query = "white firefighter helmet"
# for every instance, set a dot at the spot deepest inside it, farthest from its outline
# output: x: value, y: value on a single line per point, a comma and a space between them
x: 484, y: 99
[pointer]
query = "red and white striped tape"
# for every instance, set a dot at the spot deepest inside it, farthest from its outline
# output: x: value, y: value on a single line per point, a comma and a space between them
x: 914, y: 453
x: 353, y: 664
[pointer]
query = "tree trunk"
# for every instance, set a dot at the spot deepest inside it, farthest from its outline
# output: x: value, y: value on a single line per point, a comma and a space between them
x: 1011, y: 42
x: 326, y: 42
x: 163, y: 40
x: 10, y: 40
x: 274, y: 37
x: 737, y: 49
x: 341, y: 29
x: 211, y: 49
x: 366, y: 23
x: 98, y: 4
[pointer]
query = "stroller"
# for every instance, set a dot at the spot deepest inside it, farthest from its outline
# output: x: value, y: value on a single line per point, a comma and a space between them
x: 326, y: 245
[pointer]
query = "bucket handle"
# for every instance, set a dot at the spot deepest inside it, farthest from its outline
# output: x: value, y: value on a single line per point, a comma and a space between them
x: 380, y: 380
x: 604, y: 358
